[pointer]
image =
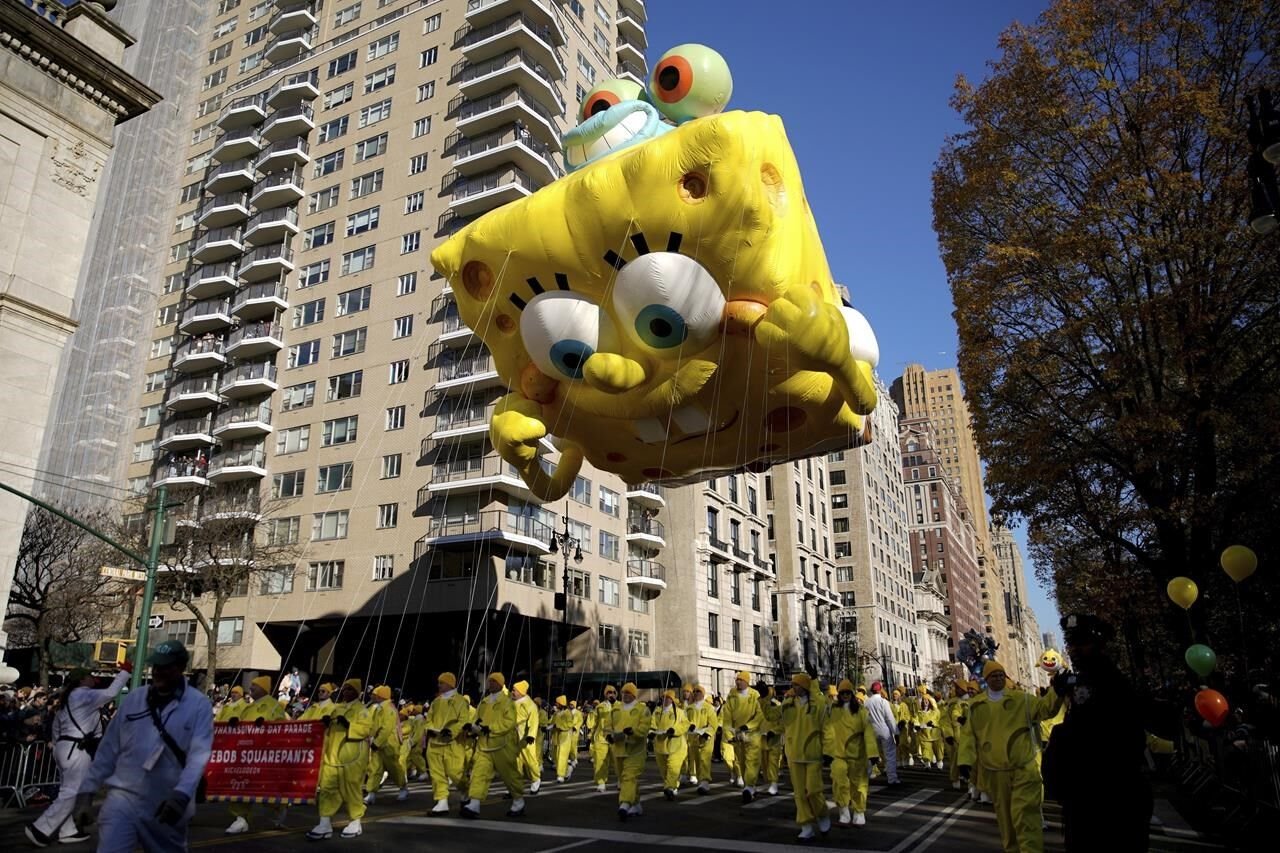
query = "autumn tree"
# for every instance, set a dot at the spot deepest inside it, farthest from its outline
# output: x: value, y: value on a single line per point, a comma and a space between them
x: 1119, y: 323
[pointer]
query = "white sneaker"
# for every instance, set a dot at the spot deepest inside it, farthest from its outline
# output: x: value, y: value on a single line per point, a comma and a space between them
x: 636, y: 810
x: 693, y: 780
x: 844, y: 819
x: 773, y: 789
x: 983, y: 798
x: 956, y: 784
x: 824, y: 824
x: 600, y: 788
x: 942, y: 765
x: 281, y: 816
x: 352, y: 830
x: 517, y: 808
x: 704, y: 788
x: 559, y: 780
x: 806, y: 832
x: 533, y: 789
x: 369, y: 798
x: 859, y: 818
x: 321, y: 831
x: 911, y: 762
x: 238, y: 826
x: 441, y: 807
x: 741, y: 782
x: 403, y: 795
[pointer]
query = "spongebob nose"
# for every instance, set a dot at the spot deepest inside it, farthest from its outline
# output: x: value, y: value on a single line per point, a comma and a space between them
x: 613, y: 374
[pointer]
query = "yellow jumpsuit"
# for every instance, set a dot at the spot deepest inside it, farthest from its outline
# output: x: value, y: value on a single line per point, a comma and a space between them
x: 318, y: 710
x: 565, y: 739
x: 670, y: 746
x: 385, y: 753
x: 954, y: 714
x: 417, y: 760
x: 742, y: 716
x: 527, y: 739
x: 727, y: 753
x: 903, y: 714
x: 496, y: 751
x: 233, y: 710
x: 544, y: 721
x: 802, y: 725
x: 703, y: 725
x: 629, y: 750
x: 346, y: 755
x: 998, y: 738
x: 849, y: 738
x: 599, y: 723
x: 268, y: 709
x: 771, y: 741
x: 445, y: 754
x: 928, y: 735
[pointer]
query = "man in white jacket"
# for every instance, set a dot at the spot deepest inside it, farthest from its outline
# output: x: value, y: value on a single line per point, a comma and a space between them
x: 880, y: 713
x: 77, y: 728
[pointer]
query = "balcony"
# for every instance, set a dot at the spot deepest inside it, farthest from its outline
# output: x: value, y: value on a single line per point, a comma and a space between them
x: 647, y: 532
x: 521, y: 532
x: 467, y: 421
x: 720, y: 552
x: 479, y: 473
x: 292, y: 16
x: 475, y: 155
x: 479, y: 116
x: 231, y: 503
x: 288, y: 153
x: 255, y: 301
x: 224, y: 209
x: 630, y: 52
x: 297, y: 120
x: 237, y: 145
x: 254, y: 340
x: 634, y: 8
x: 248, y: 380
x: 633, y: 72
x: 270, y: 261
x: 230, y: 176
x: 646, y: 578
x: 761, y: 567
x: 191, y: 470
x: 243, y: 112
x: 212, y: 280
x: 741, y: 557
x: 207, y: 315
x: 287, y: 46
x: 454, y: 332
x: 631, y: 29
x: 218, y: 244
x: 514, y: 32
x: 514, y: 68
x: 272, y: 226
x: 195, y: 392
x: 294, y: 89
x: 481, y: 13
x: 196, y: 355
x: 252, y: 421
x: 646, y: 494
x: 186, y: 434
x: 238, y: 463
x: 278, y: 190
x: 485, y: 192
x: 470, y: 372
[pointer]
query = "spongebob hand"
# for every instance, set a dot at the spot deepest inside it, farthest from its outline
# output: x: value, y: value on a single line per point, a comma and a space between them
x: 515, y: 434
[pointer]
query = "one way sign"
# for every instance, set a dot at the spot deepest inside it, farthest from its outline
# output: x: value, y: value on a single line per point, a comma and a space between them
x: 155, y: 623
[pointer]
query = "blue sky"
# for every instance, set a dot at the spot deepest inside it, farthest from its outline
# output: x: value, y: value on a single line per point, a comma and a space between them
x: 863, y: 89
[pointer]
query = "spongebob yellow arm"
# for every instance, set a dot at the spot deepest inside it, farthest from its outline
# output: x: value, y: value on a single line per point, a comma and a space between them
x: 515, y: 431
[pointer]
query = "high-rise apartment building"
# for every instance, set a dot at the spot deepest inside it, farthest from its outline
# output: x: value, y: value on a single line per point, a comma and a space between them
x: 939, y: 396
x: 331, y: 146
x: 1024, y: 633
x: 878, y: 630
x: 943, y: 537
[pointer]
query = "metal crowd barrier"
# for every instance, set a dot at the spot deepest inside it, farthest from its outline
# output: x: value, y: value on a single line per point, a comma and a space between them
x: 26, y: 771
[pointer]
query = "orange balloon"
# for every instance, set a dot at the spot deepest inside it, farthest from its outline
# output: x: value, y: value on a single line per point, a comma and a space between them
x: 1213, y: 706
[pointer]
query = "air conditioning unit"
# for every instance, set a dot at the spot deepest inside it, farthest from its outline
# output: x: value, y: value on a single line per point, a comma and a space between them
x: 111, y: 652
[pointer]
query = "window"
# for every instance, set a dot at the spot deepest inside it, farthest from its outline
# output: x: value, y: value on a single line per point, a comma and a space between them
x: 217, y: 78
x: 289, y: 484
x: 638, y: 642
x: 375, y: 113
x: 414, y: 202
x: 755, y: 639
x: 380, y: 79
x: 713, y: 522
x: 167, y: 314
x: 383, y: 46
x: 422, y: 127
x: 329, y: 525
x: 279, y: 581
x: 362, y: 221
x: 230, y: 631
x: 258, y: 10
x: 333, y: 129
x: 637, y: 604
x: 580, y: 491
x: 388, y: 515
x: 410, y: 242
x: 150, y: 416
x: 313, y: 274
x: 384, y: 566
x: 751, y: 499
x: 609, y: 545
x: 156, y: 381
x: 328, y: 164
x: 610, y: 591
x: 366, y: 184
x: 354, y: 301
x: 283, y: 531
x: 349, y: 343
x: 325, y: 575
x: 190, y: 193
x: 713, y: 581
x: 250, y: 62
x: 318, y: 235
x: 431, y: 24
x: 334, y: 478
x: 345, y: 385
x: 395, y: 417
x: 180, y: 252
x: 161, y: 347
x: 323, y: 199
x: 293, y: 440
x: 755, y: 595
x: 586, y: 69
x: 200, y: 134
x: 207, y: 106
x: 346, y: 15
x: 308, y: 313
x: 839, y: 501
x: 735, y: 588
x: 713, y: 630
x: 224, y: 6
x: 609, y: 502
x: 579, y: 583
x: 417, y: 164
x: 338, y: 96
x: 391, y: 466
x: 225, y: 28
x: 837, y: 478
x: 426, y: 91
x: 182, y: 630
x: 406, y: 284
x: 601, y: 40
x: 370, y: 148
x: 839, y: 525
x: 609, y: 638
x: 144, y: 451
x: 358, y: 261
x: 340, y: 431
x: 428, y: 57
x: 303, y: 354
x: 843, y: 549
x: 735, y: 634
x: 403, y: 327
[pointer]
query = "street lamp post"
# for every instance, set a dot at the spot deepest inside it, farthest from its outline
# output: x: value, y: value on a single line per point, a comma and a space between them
x: 563, y: 542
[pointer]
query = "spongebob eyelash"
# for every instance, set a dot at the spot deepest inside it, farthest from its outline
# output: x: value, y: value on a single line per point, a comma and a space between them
x: 616, y: 261
x: 535, y: 286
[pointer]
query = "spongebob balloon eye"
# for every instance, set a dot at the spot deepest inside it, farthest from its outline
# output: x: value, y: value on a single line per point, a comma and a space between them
x: 561, y: 331
x: 690, y: 81
x: 666, y: 301
x: 610, y: 93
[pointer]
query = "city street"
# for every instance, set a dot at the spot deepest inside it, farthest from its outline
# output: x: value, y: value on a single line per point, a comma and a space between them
x: 921, y: 814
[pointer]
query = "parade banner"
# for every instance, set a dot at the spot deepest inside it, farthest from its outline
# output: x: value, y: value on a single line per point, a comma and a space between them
x: 271, y: 763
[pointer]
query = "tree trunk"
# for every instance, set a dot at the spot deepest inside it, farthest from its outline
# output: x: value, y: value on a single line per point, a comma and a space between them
x: 43, y: 652
x: 212, y: 635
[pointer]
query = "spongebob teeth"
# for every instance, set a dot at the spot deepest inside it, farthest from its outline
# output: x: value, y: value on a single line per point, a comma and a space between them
x: 692, y: 419
x: 650, y: 430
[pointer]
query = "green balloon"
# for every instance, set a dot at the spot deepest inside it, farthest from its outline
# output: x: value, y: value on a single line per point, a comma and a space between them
x: 1201, y: 659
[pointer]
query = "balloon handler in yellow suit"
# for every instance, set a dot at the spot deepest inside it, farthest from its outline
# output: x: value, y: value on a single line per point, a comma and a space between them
x: 496, y: 749
x: 262, y: 708
x: 804, y: 716
x: 770, y: 737
x: 998, y: 737
x: 703, y: 725
x: 384, y: 757
x: 346, y: 757
x: 669, y: 730
x: 600, y: 722
x: 630, y: 740
x: 743, y: 719
x: 849, y: 738
x: 448, y: 715
x: 527, y: 763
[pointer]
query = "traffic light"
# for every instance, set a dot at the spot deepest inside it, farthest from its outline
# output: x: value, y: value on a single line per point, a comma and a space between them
x: 111, y: 652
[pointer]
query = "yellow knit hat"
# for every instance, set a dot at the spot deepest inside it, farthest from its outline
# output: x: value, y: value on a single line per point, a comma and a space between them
x: 237, y: 690
x: 329, y: 687
x: 990, y: 667
x: 743, y: 676
x: 263, y: 683
x: 522, y: 687
x: 498, y: 677
x: 831, y: 690
x: 845, y: 684
x: 630, y: 687
x: 669, y: 694
x: 802, y: 679
x: 354, y: 683
x: 448, y: 678
x: 382, y: 692
x: 562, y: 701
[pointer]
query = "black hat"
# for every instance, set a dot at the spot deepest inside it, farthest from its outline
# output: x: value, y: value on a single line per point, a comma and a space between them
x: 1083, y: 627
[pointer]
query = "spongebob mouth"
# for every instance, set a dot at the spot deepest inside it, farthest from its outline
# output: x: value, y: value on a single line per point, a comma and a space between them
x: 618, y: 127
x: 692, y: 420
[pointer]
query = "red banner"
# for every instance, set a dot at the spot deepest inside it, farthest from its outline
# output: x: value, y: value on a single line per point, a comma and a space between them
x: 272, y: 763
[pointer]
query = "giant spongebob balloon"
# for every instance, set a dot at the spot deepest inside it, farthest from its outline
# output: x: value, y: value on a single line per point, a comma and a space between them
x: 665, y: 310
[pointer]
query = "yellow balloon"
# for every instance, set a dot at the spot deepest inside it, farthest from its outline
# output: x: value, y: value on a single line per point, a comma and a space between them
x: 1239, y: 562
x: 1183, y: 592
